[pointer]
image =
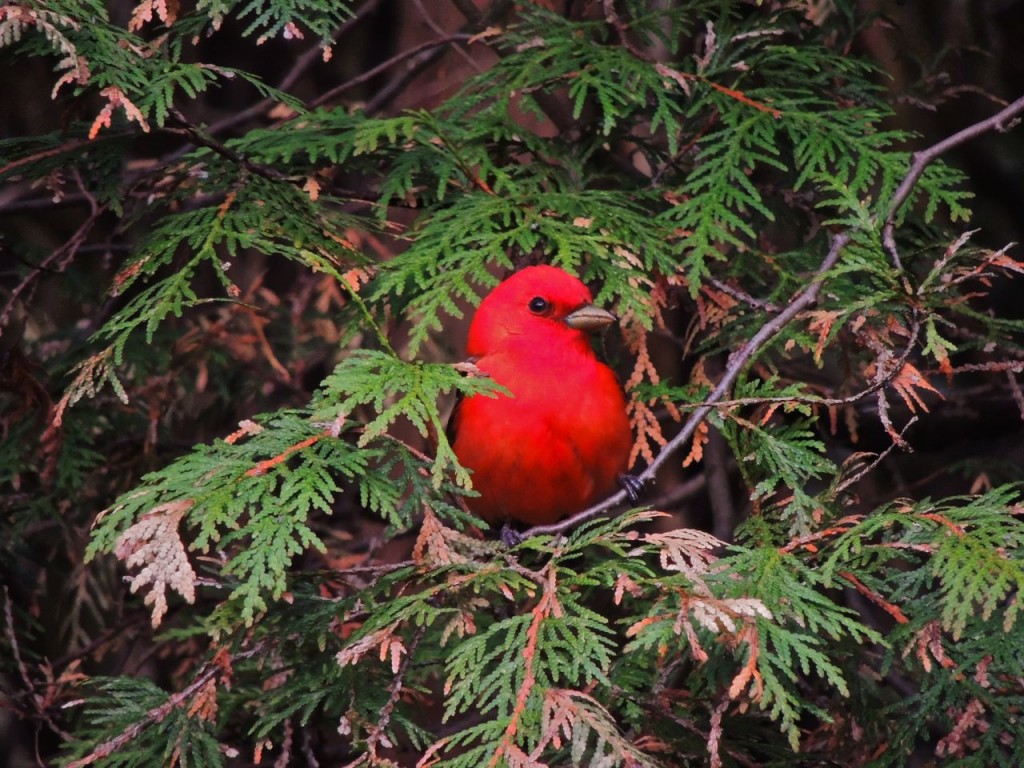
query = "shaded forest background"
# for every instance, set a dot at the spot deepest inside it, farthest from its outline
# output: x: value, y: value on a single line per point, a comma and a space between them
x: 946, y: 65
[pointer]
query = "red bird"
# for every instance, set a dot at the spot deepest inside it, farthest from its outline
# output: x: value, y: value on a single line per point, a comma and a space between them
x: 562, y: 440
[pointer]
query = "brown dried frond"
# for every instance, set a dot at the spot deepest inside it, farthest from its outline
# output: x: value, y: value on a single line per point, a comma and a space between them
x: 153, y: 543
x: 165, y: 10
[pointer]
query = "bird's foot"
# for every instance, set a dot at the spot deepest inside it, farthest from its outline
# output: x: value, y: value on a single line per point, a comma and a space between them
x: 633, y: 486
x: 510, y: 536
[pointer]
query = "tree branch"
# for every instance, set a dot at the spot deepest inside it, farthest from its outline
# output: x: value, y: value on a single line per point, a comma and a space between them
x: 201, y: 138
x: 802, y: 301
x: 302, y: 63
x: 62, y: 256
x: 830, y: 402
x: 879, y: 458
x: 384, y: 66
x: 737, y: 361
x: 920, y: 160
x: 210, y: 670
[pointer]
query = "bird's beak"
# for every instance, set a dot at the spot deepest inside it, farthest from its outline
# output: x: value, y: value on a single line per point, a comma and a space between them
x: 589, y: 318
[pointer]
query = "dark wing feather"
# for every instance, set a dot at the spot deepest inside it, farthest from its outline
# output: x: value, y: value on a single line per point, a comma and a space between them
x: 452, y: 427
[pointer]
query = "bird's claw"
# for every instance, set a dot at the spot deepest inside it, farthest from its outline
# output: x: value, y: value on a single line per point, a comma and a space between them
x: 511, y: 537
x: 633, y: 486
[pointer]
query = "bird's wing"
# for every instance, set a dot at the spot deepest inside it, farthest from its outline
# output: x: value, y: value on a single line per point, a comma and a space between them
x: 451, y: 428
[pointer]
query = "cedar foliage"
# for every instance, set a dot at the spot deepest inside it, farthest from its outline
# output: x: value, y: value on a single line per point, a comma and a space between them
x: 240, y: 407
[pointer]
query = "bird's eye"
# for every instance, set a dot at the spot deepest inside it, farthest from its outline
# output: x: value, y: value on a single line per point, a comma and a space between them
x: 538, y: 305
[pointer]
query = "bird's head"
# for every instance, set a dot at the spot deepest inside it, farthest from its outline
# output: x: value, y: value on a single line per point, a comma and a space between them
x: 538, y: 305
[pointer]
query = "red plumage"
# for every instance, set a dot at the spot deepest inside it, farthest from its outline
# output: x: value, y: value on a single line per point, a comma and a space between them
x: 559, y: 444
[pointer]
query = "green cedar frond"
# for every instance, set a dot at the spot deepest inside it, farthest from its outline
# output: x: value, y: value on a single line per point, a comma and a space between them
x: 176, y: 736
x: 273, y: 17
x: 251, y: 501
x: 692, y: 164
x: 397, y: 389
x: 962, y: 544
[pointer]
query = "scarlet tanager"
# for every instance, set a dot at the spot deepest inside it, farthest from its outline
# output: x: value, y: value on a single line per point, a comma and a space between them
x: 561, y: 441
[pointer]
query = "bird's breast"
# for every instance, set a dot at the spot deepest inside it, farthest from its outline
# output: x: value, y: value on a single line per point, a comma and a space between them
x: 551, y: 448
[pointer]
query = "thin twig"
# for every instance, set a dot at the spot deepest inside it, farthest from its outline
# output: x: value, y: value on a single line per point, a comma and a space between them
x: 897, y: 443
x: 476, y: 25
x: 41, y: 203
x: 201, y: 138
x: 69, y: 146
x: 685, y: 148
x: 12, y: 640
x: 739, y: 359
x: 746, y: 298
x: 920, y: 160
x: 439, y: 30
x: 37, y: 700
x: 62, y: 256
x: 302, y: 63
x: 615, y: 21
x: 120, y: 632
x: 371, y: 570
x: 397, y: 85
x: 307, y: 748
x: 1018, y: 396
x: 394, y: 692
x: 384, y: 66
